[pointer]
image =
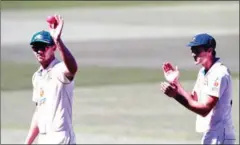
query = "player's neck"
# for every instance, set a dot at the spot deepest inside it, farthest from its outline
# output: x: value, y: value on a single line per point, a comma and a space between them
x: 45, y: 65
x: 209, y: 64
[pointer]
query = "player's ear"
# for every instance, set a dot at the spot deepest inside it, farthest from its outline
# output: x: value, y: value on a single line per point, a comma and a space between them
x: 54, y: 47
x: 210, y: 49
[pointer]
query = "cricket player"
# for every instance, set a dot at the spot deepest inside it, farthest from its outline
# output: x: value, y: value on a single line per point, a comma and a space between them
x: 53, y: 85
x: 211, y: 98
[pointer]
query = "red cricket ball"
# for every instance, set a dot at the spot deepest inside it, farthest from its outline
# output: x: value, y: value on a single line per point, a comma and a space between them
x: 51, y: 20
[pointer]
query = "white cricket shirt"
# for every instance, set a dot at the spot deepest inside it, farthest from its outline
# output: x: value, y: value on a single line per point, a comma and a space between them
x: 53, y: 93
x: 216, y: 82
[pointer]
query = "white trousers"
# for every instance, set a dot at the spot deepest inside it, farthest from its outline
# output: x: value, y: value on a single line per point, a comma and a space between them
x: 62, y: 137
x: 220, y: 136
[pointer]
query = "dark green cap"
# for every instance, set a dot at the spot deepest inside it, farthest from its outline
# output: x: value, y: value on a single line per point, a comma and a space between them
x: 42, y: 36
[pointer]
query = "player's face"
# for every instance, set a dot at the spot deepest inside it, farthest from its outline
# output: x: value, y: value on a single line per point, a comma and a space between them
x: 200, y: 55
x: 43, y: 52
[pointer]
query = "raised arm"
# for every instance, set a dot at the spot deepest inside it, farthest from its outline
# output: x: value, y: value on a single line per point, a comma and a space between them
x: 56, y: 30
x: 67, y: 58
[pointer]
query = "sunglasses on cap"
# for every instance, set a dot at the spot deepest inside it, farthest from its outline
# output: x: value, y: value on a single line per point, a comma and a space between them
x: 39, y: 47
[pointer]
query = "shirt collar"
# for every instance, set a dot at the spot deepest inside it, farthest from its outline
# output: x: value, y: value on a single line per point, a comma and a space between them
x: 53, y: 62
x: 216, y: 63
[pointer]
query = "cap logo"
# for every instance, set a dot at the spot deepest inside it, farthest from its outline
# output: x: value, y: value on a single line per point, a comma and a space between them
x: 39, y: 37
x: 193, y: 39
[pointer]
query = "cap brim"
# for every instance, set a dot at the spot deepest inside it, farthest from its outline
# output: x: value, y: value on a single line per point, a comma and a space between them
x: 42, y: 41
x: 190, y: 44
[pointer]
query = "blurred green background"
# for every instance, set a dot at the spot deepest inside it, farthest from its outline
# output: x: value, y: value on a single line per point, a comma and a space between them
x: 65, y: 4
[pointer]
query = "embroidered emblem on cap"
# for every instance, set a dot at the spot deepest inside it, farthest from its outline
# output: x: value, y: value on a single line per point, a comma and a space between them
x: 193, y: 39
x: 39, y: 37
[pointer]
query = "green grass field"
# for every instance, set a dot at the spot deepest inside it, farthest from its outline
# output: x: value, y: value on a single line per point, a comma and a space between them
x: 18, y: 76
x: 137, y: 110
x: 21, y: 5
x: 64, y: 4
x: 112, y: 101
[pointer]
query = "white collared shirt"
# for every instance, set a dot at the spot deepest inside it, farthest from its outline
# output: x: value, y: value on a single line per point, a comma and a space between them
x: 53, y: 93
x: 216, y: 82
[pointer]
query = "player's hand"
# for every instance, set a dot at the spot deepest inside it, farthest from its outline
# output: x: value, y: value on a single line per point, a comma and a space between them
x: 168, y: 89
x: 170, y: 74
x: 56, y: 27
